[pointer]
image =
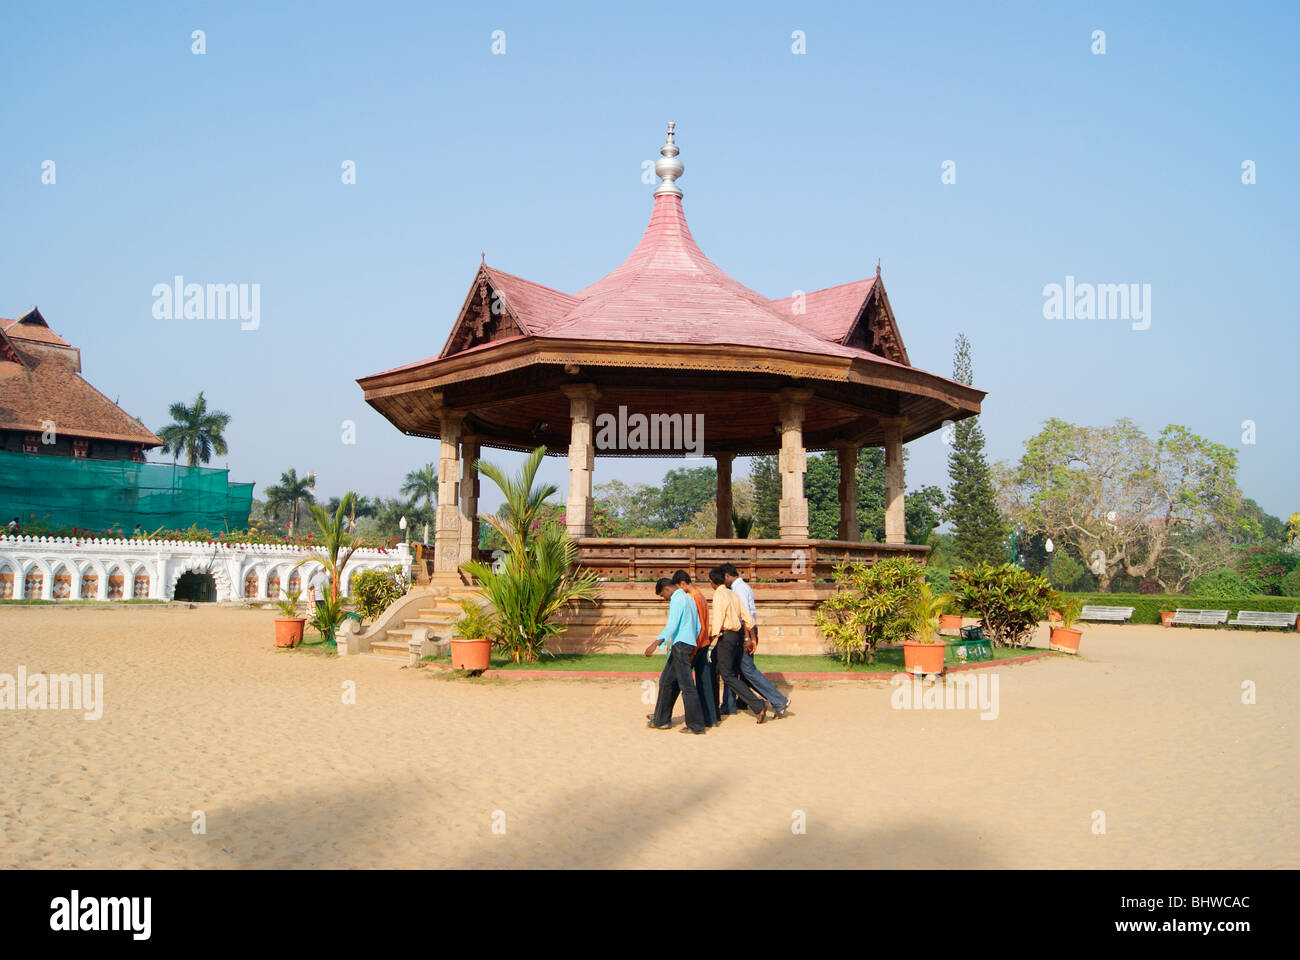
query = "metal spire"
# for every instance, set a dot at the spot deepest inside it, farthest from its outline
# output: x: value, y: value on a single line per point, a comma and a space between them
x: 668, y: 168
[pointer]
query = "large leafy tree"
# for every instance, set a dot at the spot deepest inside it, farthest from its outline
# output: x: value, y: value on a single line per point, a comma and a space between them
x: 285, y: 498
x: 923, y: 506
x: 685, y: 491
x: 978, y: 530
x: 1128, y: 505
x: 422, y: 483
x: 633, y: 509
x: 195, y: 431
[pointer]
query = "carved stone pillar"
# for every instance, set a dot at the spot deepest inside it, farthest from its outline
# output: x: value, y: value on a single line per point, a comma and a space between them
x: 895, y: 528
x: 793, y: 464
x: 848, y: 460
x: 469, y: 524
x: 446, y: 539
x: 579, y: 512
x: 723, y: 529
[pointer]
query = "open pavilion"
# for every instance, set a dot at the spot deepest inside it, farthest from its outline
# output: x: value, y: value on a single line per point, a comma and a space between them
x: 714, y: 367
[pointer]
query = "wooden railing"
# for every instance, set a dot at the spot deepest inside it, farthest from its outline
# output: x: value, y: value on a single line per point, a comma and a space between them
x: 781, y: 560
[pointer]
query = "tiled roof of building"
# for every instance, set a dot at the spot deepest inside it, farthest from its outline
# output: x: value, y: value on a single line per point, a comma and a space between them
x: 40, y: 380
x: 668, y: 292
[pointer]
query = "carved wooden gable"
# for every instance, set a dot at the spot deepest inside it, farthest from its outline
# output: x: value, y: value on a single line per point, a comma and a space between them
x: 485, y: 317
x: 875, y: 330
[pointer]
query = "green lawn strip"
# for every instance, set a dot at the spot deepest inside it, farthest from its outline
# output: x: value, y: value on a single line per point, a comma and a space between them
x: 887, y: 661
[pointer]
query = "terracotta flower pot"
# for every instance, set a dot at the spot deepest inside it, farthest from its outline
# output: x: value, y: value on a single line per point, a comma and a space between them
x: 288, y: 631
x: 1066, y: 641
x: 470, y: 654
x: 1165, y: 617
x: 950, y: 621
x: 922, y: 657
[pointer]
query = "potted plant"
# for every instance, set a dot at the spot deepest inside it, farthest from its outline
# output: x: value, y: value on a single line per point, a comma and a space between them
x: 950, y: 621
x: 1064, y: 637
x: 288, y: 628
x: 923, y: 649
x: 471, y: 641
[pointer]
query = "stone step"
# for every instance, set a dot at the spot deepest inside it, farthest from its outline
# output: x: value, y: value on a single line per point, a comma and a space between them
x: 403, y: 658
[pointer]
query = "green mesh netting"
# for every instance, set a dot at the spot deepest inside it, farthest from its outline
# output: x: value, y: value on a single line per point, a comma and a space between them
x: 107, y: 494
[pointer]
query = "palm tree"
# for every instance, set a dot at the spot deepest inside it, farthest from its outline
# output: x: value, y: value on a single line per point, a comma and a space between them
x: 361, y: 507
x: 537, y: 577
x: 523, y: 502
x: 337, y: 545
x: 195, y: 431
x: 291, y: 491
x: 422, y: 483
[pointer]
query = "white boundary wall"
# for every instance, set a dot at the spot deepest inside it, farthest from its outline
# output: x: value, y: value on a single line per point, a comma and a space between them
x: 163, y: 561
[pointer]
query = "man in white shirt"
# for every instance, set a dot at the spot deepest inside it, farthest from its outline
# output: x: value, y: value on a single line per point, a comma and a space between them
x: 750, y: 673
x: 317, y: 587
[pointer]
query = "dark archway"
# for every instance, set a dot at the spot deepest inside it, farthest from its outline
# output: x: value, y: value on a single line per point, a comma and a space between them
x: 196, y: 587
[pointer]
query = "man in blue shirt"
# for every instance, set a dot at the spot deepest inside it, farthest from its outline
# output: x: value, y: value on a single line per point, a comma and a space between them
x: 680, y: 633
x: 749, y: 671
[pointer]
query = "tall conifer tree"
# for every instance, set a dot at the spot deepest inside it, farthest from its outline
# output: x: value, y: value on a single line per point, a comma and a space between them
x: 978, y: 531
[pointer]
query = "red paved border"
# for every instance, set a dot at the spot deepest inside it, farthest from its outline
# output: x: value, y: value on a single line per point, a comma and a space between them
x: 620, y: 675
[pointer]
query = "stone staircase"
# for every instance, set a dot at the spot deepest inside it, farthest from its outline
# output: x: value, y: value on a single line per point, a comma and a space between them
x: 430, y: 619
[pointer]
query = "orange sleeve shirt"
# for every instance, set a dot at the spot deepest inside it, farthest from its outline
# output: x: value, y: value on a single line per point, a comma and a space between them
x: 702, y: 606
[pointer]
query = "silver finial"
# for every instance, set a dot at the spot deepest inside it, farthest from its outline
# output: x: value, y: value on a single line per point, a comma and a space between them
x: 668, y: 168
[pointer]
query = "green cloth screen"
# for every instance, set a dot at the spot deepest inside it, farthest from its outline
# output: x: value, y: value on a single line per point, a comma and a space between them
x: 105, y: 494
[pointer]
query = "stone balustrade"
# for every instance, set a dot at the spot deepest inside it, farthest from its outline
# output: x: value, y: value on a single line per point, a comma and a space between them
x: 80, y: 568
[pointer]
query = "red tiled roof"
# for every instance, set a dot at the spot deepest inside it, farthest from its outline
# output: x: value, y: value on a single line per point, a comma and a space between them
x: 668, y: 291
x: 830, y: 313
x: 44, y: 383
x: 536, y: 306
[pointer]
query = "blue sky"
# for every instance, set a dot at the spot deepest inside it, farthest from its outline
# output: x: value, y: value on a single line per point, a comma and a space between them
x: 801, y: 170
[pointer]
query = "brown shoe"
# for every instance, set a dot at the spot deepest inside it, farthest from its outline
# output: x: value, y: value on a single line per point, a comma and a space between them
x: 762, y: 714
x: 659, y: 726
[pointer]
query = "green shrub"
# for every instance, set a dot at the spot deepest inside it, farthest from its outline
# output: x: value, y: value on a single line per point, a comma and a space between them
x: 1147, y: 607
x: 938, y: 578
x: 1291, y: 584
x: 374, y: 590
x: 476, y: 622
x: 1224, y: 584
x: 1009, y: 600
x: 870, y: 606
x: 1066, y: 573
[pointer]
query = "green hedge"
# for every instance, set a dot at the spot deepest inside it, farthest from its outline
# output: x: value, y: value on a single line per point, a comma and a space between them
x: 1147, y: 606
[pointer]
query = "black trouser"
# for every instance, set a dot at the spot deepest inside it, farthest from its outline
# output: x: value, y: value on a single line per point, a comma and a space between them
x: 726, y: 660
x: 677, y: 679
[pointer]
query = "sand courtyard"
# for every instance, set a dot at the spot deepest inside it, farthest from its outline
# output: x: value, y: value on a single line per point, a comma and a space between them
x: 203, y: 716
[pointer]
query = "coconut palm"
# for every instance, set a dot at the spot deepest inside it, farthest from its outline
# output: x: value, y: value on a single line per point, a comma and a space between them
x: 195, y: 431
x: 291, y: 491
x: 422, y: 483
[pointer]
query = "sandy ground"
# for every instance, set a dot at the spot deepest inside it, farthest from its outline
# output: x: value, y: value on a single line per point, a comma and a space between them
x: 202, y: 714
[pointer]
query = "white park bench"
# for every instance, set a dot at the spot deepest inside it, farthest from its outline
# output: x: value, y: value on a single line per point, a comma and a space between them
x: 1112, y: 614
x: 1199, y: 618
x: 1261, y: 618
